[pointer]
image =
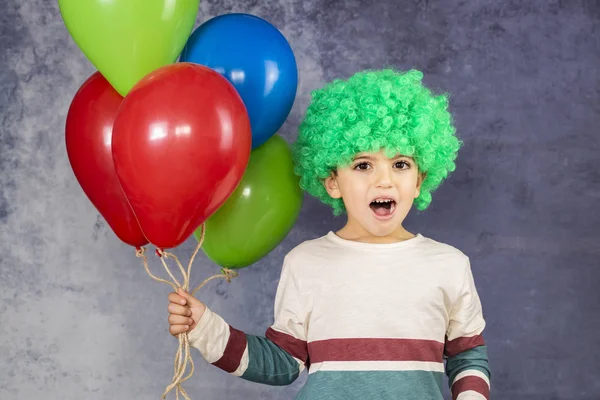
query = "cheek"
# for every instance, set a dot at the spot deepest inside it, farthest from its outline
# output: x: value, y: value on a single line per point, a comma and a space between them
x: 408, y: 186
x: 354, y: 196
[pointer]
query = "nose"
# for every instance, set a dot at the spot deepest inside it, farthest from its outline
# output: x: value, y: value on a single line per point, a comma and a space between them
x: 383, y: 178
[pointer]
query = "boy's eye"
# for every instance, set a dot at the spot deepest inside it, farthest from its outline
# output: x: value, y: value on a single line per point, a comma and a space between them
x: 402, y: 165
x: 362, y: 166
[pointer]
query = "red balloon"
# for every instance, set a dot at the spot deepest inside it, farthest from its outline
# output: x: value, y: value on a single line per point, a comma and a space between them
x: 181, y: 144
x: 88, y: 135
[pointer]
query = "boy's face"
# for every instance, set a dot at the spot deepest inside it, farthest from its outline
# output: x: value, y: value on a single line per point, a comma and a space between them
x: 377, y: 191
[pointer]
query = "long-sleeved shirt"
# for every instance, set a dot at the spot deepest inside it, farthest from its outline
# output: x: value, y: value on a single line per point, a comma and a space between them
x: 368, y: 321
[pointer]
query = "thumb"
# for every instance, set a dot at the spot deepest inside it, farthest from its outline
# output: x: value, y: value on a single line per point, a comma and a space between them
x: 191, y: 300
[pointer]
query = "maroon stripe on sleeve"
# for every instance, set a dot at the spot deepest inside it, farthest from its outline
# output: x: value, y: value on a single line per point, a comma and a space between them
x: 234, y: 350
x: 296, y: 347
x: 474, y: 383
x: 458, y: 345
x: 371, y: 349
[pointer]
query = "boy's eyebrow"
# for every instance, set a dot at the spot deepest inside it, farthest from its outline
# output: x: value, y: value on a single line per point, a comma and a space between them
x: 368, y: 157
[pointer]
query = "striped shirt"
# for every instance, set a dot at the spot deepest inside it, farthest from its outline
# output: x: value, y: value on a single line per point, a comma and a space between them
x: 367, y: 321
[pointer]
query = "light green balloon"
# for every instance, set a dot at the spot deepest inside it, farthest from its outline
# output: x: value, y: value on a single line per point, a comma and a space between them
x: 259, y: 213
x: 127, y: 39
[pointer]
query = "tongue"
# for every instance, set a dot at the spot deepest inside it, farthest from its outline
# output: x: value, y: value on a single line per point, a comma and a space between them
x: 381, y: 210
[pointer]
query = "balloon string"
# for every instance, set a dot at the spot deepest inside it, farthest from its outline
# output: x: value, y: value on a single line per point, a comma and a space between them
x: 183, y: 356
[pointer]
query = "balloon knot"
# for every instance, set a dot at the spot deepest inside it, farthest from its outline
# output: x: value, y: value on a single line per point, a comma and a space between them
x: 139, y: 251
x: 229, y: 274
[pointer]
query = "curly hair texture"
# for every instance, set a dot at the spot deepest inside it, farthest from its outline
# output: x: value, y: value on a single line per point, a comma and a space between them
x: 371, y: 111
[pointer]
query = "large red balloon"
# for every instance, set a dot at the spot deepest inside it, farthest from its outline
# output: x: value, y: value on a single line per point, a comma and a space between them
x: 88, y: 134
x: 181, y: 144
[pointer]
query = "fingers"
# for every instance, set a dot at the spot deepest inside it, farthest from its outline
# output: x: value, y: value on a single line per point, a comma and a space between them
x: 177, y: 329
x: 179, y: 324
x: 190, y: 300
x: 179, y: 310
x: 180, y: 320
x: 177, y: 299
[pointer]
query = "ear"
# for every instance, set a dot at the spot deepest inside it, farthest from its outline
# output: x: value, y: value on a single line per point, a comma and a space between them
x: 332, y: 186
x: 420, y: 178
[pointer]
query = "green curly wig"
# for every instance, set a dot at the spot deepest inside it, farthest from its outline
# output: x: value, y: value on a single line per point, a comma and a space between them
x: 371, y: 111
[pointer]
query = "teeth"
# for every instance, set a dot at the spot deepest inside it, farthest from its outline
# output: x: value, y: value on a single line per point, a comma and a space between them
x: 382, y: 201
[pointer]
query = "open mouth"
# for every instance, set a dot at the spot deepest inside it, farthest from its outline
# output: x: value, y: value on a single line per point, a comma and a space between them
x: 383, y: 207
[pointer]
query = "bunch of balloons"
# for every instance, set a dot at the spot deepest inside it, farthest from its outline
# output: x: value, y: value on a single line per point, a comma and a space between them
x: 178, y: 129
x: 176, y: 132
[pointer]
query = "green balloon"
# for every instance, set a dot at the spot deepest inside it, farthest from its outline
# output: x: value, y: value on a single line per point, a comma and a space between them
x: 259, y: 213
x: 127, y: 39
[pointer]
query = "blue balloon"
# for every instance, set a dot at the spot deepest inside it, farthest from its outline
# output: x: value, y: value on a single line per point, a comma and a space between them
x: 257, y: 59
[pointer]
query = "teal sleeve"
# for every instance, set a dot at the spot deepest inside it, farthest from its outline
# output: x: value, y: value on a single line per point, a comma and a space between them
x: 472, y: 359
x: 269, y: 364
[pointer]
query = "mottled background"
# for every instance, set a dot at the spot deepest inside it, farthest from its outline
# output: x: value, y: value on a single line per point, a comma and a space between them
x: 79, y: 317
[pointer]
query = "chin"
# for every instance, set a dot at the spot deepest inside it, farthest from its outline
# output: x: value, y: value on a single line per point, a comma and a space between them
x: 383, y: 231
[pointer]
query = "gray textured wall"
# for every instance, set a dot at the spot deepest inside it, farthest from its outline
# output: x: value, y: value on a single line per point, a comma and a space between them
x: 79, y: 318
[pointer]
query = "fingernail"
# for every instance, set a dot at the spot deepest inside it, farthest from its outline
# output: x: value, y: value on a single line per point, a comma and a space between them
x: 182, y: 302
x: 187, y: 327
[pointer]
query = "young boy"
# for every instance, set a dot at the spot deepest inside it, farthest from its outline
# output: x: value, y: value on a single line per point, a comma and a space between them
x: 372, y: 311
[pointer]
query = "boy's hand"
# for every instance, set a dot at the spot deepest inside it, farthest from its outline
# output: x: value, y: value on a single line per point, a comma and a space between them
x: 184, y: 312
